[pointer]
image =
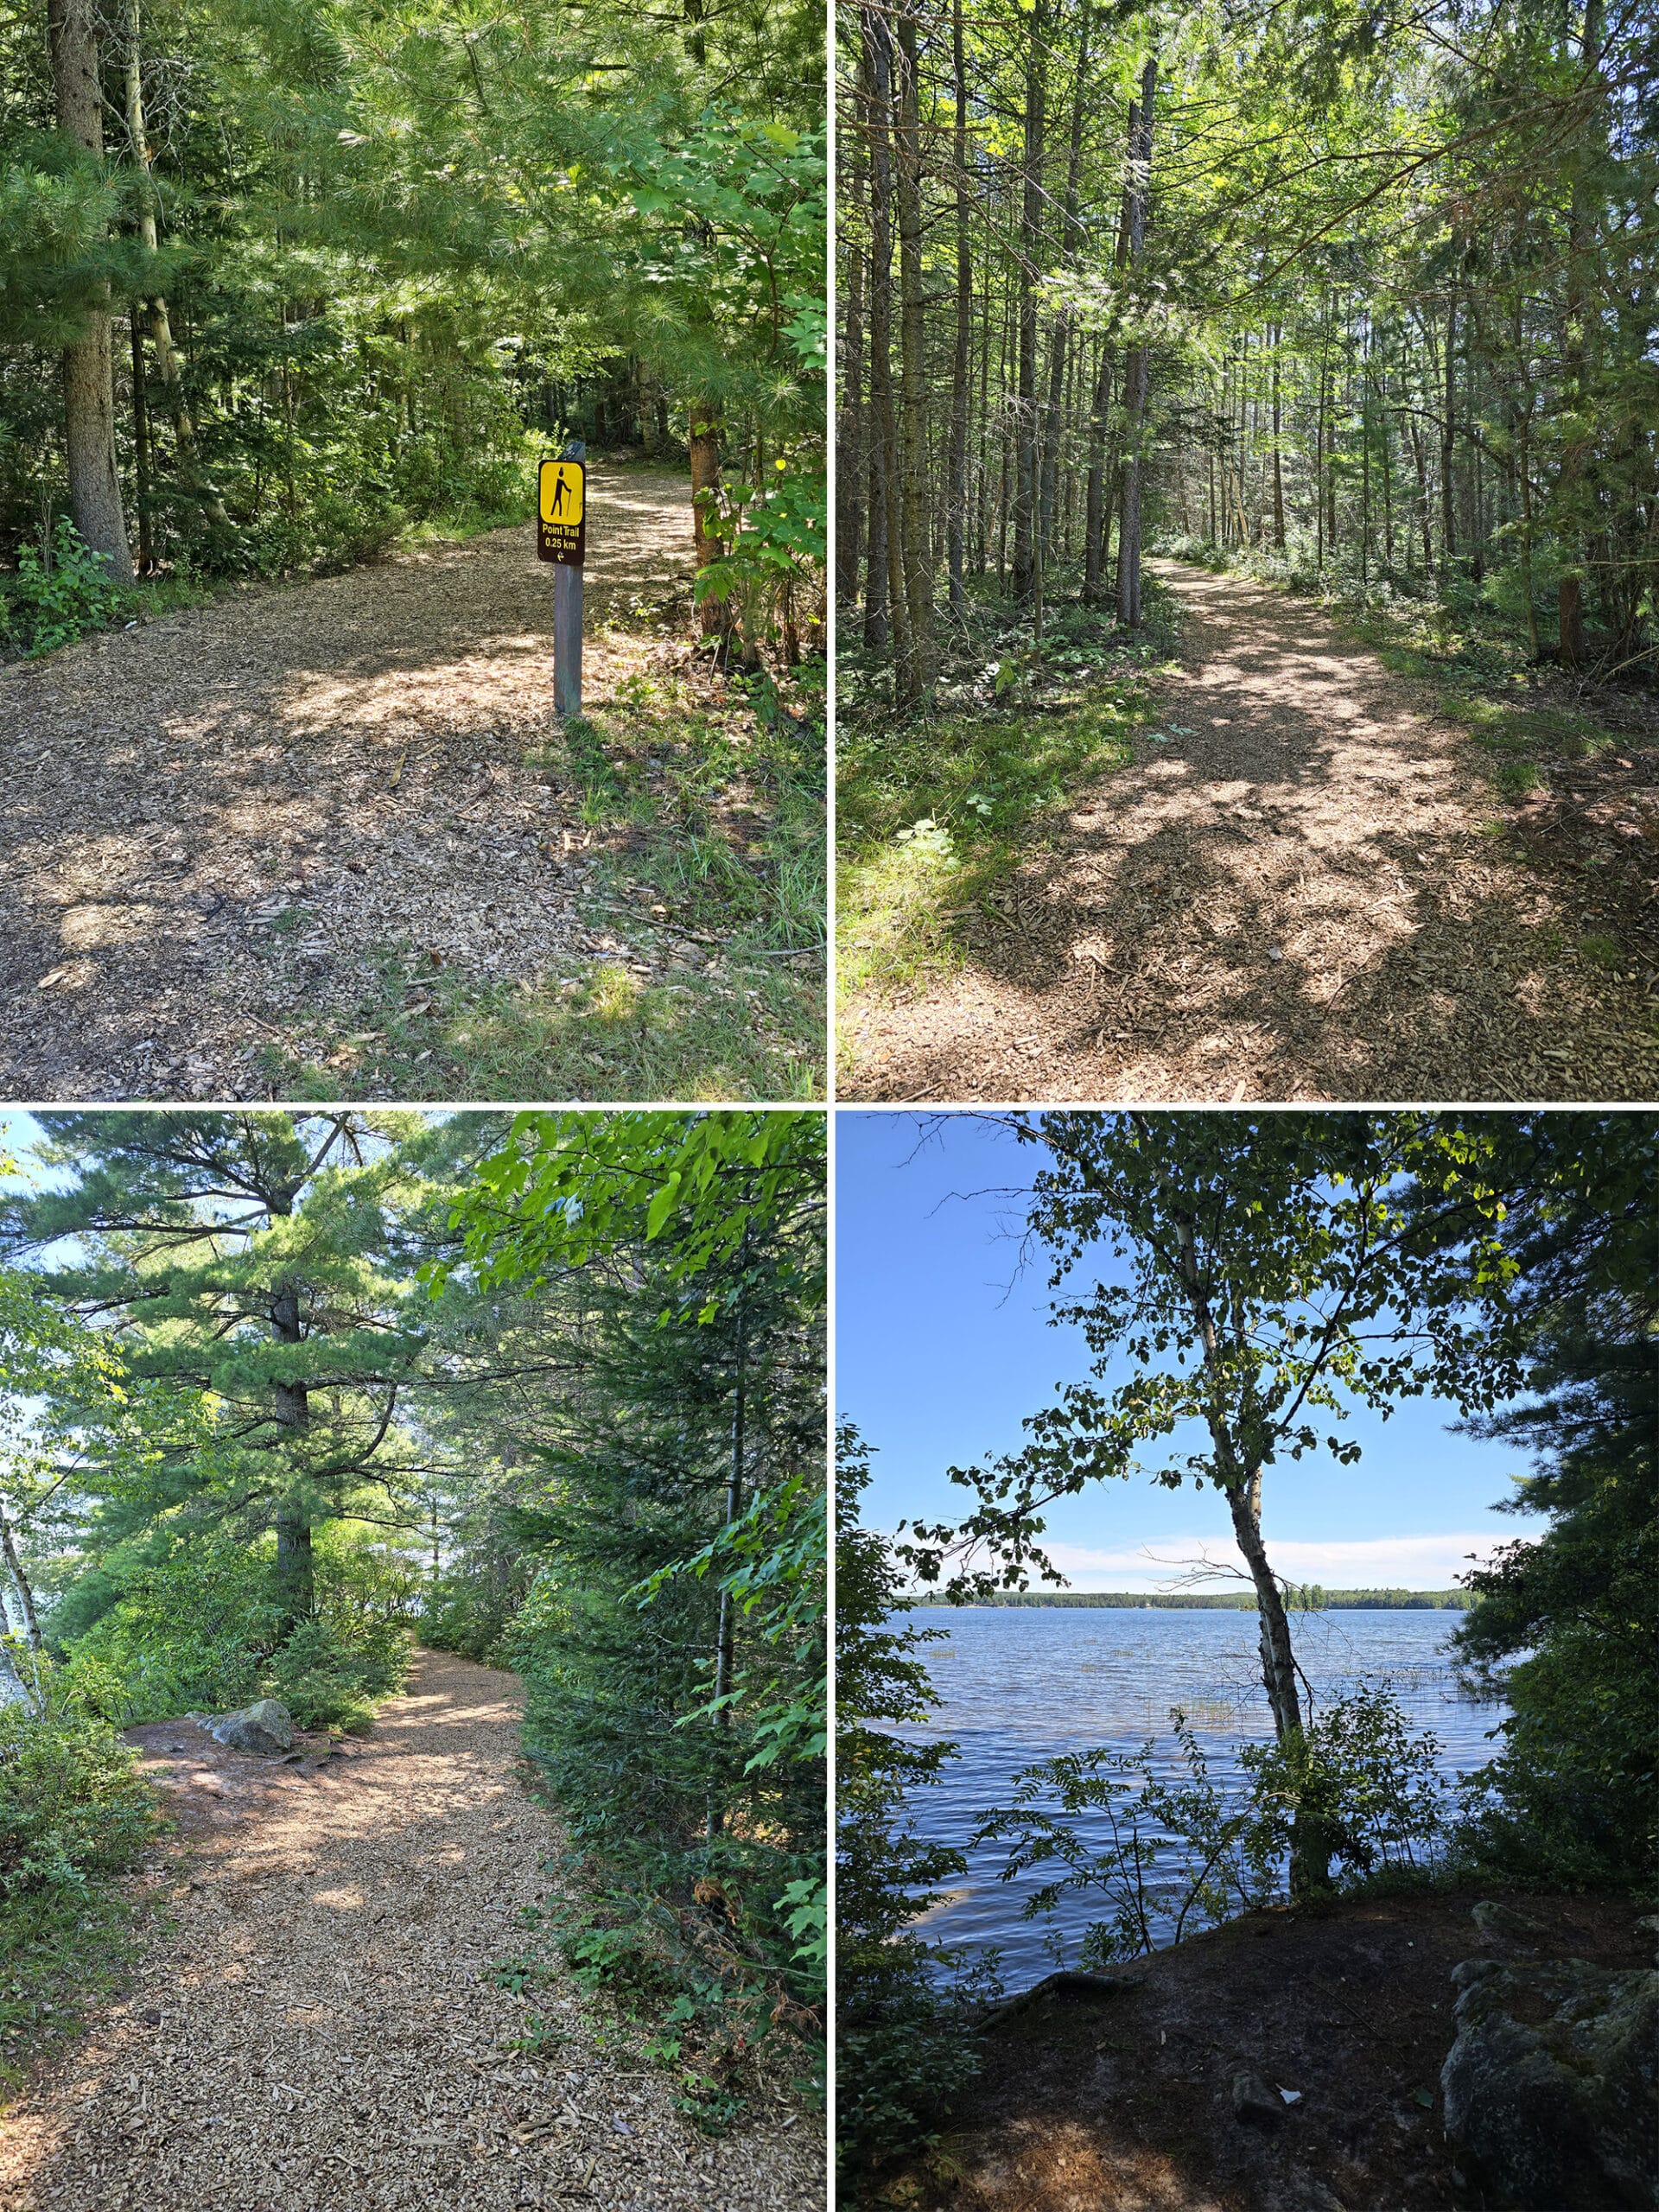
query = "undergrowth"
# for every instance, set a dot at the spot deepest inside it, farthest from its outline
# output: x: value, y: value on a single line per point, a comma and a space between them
x: 936, y: 809
x: 74, y: 1815
x: 708, y: 823
x: 696, y: 1987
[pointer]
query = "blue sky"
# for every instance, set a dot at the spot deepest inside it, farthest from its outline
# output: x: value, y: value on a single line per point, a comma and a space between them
x: 942, y: 1345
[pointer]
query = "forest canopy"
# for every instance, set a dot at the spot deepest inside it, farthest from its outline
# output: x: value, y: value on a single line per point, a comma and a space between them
x: 1366, y: 295
x: 275, y: 280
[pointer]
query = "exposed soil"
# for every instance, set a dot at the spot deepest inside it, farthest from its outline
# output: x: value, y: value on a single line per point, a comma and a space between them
x: 1300, y: 895
x: 1124, y: 2103
x: 314, y: 2028
x: 213, y: 821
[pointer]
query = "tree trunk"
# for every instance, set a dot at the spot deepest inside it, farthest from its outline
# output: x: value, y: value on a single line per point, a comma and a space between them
x: 1448, y: 519
x: 852, y: 486
x: 291, y: 1406
x: 957, y: 507
x: 1031, y: 235
x: 1574, y: 361
x: 917, y: 673
x: 1135, y: 378
x: 883, y: 418
x: 1240, y: 1481
x: 20, y: 1586
x: 1095, y: 524
x: 1278, y: 467
x: 88, y: 364
x: 141, y: 443
x: 1060, y: 333
x: 704, y: 427
x: 160, y: 329
x: 725, y: 1629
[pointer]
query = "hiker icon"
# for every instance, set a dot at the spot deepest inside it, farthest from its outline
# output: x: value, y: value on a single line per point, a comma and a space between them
x: 561, y: 501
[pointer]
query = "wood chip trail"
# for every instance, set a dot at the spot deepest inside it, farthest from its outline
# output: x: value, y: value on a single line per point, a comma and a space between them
x: 319, y: 2030
x: 1296, y: 894
x: 218, y: 821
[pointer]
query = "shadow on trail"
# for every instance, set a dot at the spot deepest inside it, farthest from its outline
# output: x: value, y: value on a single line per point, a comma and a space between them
x: 1292, y: 897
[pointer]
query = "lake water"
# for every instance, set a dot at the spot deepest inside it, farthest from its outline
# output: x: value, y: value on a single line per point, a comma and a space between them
x: 1017, y: 1685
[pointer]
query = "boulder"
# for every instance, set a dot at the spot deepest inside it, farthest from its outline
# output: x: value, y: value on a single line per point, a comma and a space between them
x: 1255, y: 2101
x: 1550, y: 2089
x: 1494, y: 1919
x: 266, y: 1725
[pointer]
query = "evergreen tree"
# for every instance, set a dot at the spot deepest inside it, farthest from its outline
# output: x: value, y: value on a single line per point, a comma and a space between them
x: 243, y: 1258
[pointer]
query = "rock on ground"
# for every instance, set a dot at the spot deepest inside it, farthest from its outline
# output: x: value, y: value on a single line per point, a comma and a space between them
x: 266, y: 1725
x: 1551, y: 2086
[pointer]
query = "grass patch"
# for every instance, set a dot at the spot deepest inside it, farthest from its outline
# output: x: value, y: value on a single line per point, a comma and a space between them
x: 751, y: 1031
x: 937, y: 809
x: 707, y: 810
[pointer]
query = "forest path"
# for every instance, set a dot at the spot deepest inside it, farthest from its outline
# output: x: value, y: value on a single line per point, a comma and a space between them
x: 318, y: 2030
x: 1292, y: 897
x: 215, y: 821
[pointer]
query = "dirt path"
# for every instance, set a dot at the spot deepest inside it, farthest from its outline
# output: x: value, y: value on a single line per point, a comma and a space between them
x: 216, y: 821
x: 318, y: 2032
x: 1291, y: 898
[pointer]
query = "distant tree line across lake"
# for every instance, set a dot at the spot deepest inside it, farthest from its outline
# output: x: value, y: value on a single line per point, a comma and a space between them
x: 1310, y: 1597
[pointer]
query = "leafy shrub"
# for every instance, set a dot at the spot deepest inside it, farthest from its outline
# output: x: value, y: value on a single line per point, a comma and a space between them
x: 189, y: 1632
x: 1175, y: 1858
x: 72, y: 1804
x: 1361, y: 1780
x: 49, y: 604
x: 327, y: 1680
x: 1172, y: 1857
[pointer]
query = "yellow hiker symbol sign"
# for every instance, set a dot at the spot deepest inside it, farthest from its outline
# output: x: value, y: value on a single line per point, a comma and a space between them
x: 561, y: 533
x: 561, y: 491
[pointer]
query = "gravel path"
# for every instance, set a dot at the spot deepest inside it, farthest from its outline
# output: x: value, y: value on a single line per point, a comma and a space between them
x: 213, y: 822
x: 1291, y: 898
x: 318, y: 2032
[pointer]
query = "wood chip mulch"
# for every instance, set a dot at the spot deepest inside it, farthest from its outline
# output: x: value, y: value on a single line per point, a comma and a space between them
x: 1306, y: 892
x: 314, y: 2026
x: 210, y: 826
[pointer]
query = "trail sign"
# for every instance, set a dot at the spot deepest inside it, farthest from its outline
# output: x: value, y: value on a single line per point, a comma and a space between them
x: 561, y: 521
x: 561, y: 537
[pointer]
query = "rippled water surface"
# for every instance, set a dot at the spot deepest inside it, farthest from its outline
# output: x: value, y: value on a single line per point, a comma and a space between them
x: 1017, y: 1685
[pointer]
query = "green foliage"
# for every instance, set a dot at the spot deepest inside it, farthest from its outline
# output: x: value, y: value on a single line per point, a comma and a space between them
x: 46, y: 605
x: 1361, y: 1780
x: 935, y: 811
x: 331, y: 1680
x: 191, y: 1631
x: 1174, y: 1856
x: 669, y: 1525
x: 400, y: 255
x: 72, y: 1805
x: 1346, y: 1251
x: 1567, y: 1625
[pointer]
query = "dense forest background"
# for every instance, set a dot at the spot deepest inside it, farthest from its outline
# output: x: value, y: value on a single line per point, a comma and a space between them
x: 285, y: 1394
x: 276, y: 282
x: 1555, y: 1297
x: 1367, y: 301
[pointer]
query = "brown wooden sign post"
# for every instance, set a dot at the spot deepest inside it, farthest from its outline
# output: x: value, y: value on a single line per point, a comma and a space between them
x: 562, y: 537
